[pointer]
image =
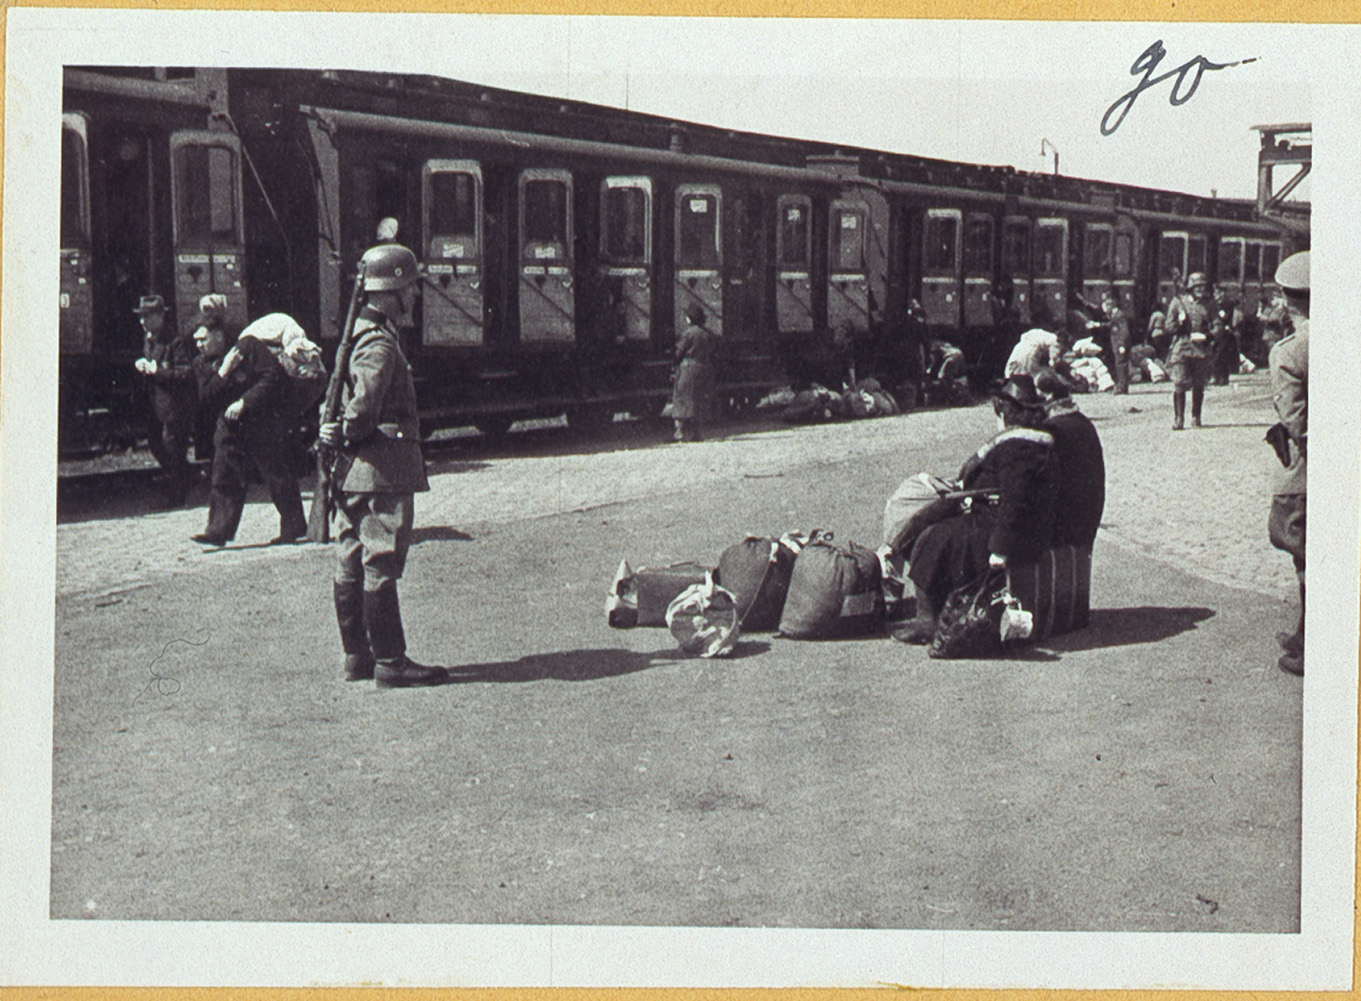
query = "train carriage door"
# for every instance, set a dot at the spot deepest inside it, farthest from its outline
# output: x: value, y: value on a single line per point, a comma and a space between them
x: 1229, y: 275
x: 625, y: 267
x: 699, y: 253
x: 1271, y: 260
x: 452, y: 242
x: 1098, y: 254
x: 1122, y: 265
x: 1016, y: 263
x: 547, y: 298
x: 1051, y: 268
x: 940, y: 268
x: 745, y: 287
x: 848, y: 290
x: 1250, y: 292
x: 1197, y: 255
x: 978, y: 270
x: 77, y: 300
x: 794, y: 263
x: 1172, y: 271
x: 209, y: 242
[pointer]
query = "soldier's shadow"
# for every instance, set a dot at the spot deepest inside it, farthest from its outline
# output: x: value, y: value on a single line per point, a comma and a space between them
x: 582, y: 665
x: 1111, y: 627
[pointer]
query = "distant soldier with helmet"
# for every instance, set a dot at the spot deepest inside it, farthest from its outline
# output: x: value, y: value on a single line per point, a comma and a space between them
x: 380, y: 469
x: 1192, y: 324
x: 1289, y: 362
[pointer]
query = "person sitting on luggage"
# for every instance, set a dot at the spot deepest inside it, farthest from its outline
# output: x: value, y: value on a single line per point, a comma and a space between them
x: 1082, y: 464
x: 1020, y: 464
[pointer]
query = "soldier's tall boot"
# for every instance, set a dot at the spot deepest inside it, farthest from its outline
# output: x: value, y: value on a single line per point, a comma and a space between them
x: 354, y: 637
x: 387, y: 639
x: 1178, y: 409
x: 1292, y: 660
x: 1197, y: 401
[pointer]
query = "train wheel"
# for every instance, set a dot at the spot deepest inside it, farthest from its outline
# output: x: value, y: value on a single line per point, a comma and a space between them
x: 494, y: 427
x: 591, y: 418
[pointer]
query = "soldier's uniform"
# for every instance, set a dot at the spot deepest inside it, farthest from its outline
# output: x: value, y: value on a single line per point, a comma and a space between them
x: 381, y: 471
x: 1192, y: 323
x: 1289, y: 362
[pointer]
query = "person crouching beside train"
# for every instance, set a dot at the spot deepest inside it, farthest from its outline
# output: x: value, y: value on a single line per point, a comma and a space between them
x: 695, y: 376
x: 378, y: 436
x: 167, y: 357
x: 1020, y: 464
x: 248, y: 391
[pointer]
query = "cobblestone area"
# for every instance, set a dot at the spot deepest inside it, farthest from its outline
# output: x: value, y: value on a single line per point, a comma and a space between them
x: 1157, y: 490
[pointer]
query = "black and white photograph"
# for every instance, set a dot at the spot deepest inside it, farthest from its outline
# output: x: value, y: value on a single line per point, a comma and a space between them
x: 527, y: 500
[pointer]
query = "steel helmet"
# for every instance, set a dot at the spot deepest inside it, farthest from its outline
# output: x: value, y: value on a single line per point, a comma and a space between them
x: 389, y: 267
x: 1197, y: 278
x: 1293, y: 274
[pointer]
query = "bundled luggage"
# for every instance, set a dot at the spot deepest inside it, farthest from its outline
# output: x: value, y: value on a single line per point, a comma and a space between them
x: 703, y: 618
x: 835, y: 590
x: 641, y: 597
x: 757, y: 571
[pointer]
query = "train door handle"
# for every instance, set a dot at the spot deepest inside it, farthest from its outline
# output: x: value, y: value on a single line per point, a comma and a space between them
x: 444, y: 280
x: 195, y: 272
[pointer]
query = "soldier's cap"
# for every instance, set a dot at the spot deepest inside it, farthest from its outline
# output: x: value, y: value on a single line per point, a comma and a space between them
x: 150, y: 304
x: 1197, y: 279
x: 1293, y: 274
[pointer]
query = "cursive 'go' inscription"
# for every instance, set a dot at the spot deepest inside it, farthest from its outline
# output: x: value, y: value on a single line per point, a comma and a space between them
x: 1146, y: 64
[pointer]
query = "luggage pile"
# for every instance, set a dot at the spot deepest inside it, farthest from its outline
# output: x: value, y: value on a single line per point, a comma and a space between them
x: 818, y: 404
x: 802, y: 585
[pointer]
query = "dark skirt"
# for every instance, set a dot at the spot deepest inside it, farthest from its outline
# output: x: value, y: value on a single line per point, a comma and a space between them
x: 951, y: 553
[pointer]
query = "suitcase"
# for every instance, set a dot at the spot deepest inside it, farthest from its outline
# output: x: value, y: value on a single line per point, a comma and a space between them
x: 1056, y: 589
x: 657, y: 587
x: 757, y: 571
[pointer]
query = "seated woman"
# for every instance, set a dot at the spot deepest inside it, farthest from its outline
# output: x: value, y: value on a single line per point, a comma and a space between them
x: 1019, y: 464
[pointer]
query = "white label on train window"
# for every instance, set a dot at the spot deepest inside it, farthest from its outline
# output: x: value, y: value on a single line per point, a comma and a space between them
x: 66, y: 300
x: 557, y: 271
x: 699, y: 205
x: 467, y: 269
x: 541, y: 252
x: 533, y: 270
x: 786, y: 276
x: 452, y: 250
x: 794, y: 214
x: 193, y: 258
x: 439, y: 269
x: 849, y: 221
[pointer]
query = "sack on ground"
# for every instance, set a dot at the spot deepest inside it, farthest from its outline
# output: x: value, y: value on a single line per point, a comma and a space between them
x: 970, y: 623
x: 757, y: 571
x: 640, y: 597
x: 1154, y: 371
x: 834, y: 591
x: 703, y: 619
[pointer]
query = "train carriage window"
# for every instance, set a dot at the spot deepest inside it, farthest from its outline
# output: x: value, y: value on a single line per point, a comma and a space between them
x: 942, y: 244
x: 1196, y: 258
x: 1097, y: 253
x: 1016, y: 248
x: 697, y: 231
x: 1124, y: 255
x: 1051, y: 252
x: 848, y: 239
x: 1230, y: 260
x: 1271, y: 259
x: 75, y: 189
x: 794, y: 238
x: 205, y: 187
x: 1172, y: 257
x: 626, y: 211
x: 978, y: 246
x: 544, y: 219
x: 1252, y: 262
x: 451, y: 205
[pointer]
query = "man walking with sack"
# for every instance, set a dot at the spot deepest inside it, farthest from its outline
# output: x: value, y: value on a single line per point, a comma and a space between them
x: 379, y: 470
x: 1290, y: 392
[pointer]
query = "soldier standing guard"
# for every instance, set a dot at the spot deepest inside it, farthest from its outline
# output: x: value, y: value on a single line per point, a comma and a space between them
x: 1290, y: 392
x: 380, y: 470
x: 1191, y: 323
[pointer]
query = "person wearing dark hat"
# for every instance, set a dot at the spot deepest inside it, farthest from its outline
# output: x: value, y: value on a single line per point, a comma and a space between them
x: 1192, y: 324
x: 1081, y: 493
x: 165, y: 364
x: 691, y: 398
x: 1289, y: 361
x: 378, y: 437
x: 1018, y: 463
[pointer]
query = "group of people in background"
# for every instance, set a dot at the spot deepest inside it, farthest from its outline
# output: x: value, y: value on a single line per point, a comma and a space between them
x: 239, y: 396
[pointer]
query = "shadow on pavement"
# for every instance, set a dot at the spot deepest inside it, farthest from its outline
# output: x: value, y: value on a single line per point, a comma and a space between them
x: 1126, y: 626
x: 582, y: 665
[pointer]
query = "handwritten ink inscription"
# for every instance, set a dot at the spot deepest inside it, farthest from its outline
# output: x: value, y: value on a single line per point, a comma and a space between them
x: 1181, y: 92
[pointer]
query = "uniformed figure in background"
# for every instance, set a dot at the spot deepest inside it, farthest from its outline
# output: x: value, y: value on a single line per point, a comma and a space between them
x: 692, y: 398
x: 1191, y: 325
x: 1228, y: 331
x: 1116, y: 324
x: 378, y: 437
x: 1290, y: 392
x: 167, y: 357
